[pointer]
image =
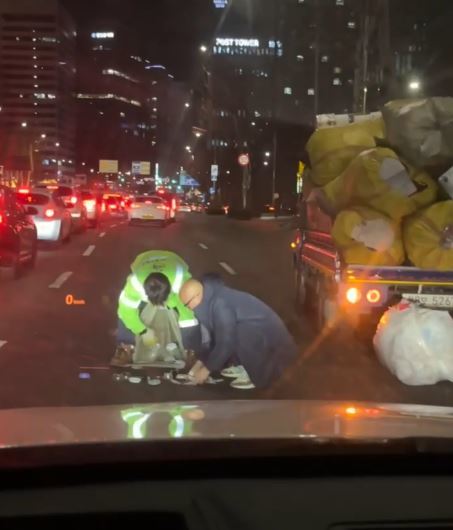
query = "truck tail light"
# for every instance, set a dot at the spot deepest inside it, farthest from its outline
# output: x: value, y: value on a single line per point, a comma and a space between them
x: 353, y: 295
x: 373, y: 296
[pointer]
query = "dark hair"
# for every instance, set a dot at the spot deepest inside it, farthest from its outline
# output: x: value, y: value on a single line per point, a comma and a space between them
x: 157, y: 288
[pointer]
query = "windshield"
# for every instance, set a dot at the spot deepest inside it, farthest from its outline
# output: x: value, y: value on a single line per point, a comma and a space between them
x: 149, y: 200
x: 299, y: 155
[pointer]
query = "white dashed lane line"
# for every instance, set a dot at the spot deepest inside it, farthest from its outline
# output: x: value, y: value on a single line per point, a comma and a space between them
x: 2, y: 343
x: 203, y: 246
x: 89, y: 250
x: 227, y: 268
x: 102, y: 234
x: 60, y: 280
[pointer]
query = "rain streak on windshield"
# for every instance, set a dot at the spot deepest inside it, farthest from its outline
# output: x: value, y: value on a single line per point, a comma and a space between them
x: 225, y: 200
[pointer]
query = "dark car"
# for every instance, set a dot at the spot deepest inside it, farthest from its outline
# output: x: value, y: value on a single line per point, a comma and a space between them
x: 18, y: 236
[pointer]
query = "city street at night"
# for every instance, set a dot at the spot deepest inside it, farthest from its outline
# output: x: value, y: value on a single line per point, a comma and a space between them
x: 54, y: 353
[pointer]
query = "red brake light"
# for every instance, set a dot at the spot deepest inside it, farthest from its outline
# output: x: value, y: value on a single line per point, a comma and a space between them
x: 89, y: 203
x: 23, y: 191
x: 49, y: 213
x: 148, y: 202
x: 103, y: 207
x: 123, y: 204
x: 1, y: 218
x: 73, y: 200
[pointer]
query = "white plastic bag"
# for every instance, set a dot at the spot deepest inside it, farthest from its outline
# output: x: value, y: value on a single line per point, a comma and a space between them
x: 416, y: 344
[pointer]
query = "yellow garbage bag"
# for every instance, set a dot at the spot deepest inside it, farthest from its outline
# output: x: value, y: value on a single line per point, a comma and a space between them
x: 332, y: 149
x: 378, y: 179
x: 428, y: 237
x: 367, y: 237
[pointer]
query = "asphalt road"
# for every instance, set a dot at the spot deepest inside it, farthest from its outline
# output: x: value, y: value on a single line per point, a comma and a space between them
x: 47, y: 346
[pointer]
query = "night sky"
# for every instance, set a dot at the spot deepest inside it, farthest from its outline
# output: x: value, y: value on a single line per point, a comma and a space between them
x: 168, y: 31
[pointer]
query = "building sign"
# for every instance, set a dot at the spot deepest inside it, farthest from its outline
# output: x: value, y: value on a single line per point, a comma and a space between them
x: 252, y: 43
x: 108, y: 166
x: 214, y: 172
x: 103, y: 35
x: 141, y: 168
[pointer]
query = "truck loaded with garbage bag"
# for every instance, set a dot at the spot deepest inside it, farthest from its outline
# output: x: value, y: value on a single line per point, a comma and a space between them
x: 375, y: 230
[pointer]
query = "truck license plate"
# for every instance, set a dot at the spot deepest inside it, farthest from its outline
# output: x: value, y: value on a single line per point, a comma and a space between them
x: 431, y: 300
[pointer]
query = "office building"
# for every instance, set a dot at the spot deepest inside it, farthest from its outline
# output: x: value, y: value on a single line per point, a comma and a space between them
x: 37, y: 72
x: 116, y: 111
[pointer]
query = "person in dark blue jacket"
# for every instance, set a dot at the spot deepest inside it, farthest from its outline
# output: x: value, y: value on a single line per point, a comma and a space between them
x: 243, y: 337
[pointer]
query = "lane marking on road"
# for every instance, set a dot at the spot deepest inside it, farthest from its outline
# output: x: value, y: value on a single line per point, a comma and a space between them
x: 89, y: 250
x: 227, y: 268
x: 2, y: 343
x: 203, y: 246
x: 102, y: 234
x: 60, y: 280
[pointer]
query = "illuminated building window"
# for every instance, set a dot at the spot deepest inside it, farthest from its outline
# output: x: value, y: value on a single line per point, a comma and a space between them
x: 111, y: 71
x: 311, y: 91
x: 340, y: 2
x: 337, y: 70
x: 336, y: 81
x: 325, y: 59
x: 288, y: 90
x: 351, y: 24
x: 109, y: 96
x: 300, y: 58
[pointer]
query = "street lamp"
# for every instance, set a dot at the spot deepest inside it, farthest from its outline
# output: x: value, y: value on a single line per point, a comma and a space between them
x: 267, y: 154
x: 198, y: 134
x: 414, y: 85
x: 266, y: 163
x: 203, y: 48
x: 187, y: 105
x: 24, y: 124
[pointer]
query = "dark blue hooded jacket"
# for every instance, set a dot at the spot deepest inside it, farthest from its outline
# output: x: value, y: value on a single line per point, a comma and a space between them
x: 243, y: 329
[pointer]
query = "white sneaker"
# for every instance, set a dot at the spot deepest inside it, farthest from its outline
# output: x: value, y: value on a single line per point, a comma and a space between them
x: 242, y: 383
x: 234, y: 372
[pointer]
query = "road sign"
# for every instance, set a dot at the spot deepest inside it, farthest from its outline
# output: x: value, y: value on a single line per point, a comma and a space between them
x: 214, y: 172
x: 141, y: 168
x: 108, y: 166
x: 244, y: 159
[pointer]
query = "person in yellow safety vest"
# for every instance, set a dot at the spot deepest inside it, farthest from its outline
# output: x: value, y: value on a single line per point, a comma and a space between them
x: 156, y: 277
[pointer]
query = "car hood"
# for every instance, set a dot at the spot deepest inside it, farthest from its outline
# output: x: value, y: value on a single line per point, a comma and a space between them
x: 222, y: 420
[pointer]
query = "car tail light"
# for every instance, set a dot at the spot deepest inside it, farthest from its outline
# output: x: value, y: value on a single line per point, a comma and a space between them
x: 23, y: 191
x: 49, y: 213
x: 173, y: 204
x: 373, y: 296
x: 162, y: 207
x: 123, y: 204
x: 73, y: 200
x: 353, y: 295
x: 103, y: 207
x: 1, y: 218
x: 113, y: 206
x: 89, y: 203
x: 148, y: 202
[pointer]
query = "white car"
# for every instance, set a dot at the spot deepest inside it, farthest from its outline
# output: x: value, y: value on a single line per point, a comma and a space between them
x: 184, y: 207
x: 52, y: 219
x: 149, y: 208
